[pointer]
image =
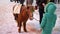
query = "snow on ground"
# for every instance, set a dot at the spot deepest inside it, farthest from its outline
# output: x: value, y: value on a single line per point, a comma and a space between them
x: 9, y: 26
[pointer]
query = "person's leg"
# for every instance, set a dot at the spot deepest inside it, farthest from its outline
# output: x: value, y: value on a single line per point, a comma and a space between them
x: 40, y: 15
x: 11, y: 0
x: 21, y: 1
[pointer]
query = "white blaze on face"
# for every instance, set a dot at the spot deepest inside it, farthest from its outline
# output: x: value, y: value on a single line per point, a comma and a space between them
x: 17, y: 9
x: 25, y: 3
x: 34, y: 3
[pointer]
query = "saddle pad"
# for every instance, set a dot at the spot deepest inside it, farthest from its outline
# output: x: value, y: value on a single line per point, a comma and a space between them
x: 17, y: 8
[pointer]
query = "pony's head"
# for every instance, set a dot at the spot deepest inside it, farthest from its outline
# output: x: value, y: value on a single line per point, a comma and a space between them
x: 30, y: 12
x: 27, y: 12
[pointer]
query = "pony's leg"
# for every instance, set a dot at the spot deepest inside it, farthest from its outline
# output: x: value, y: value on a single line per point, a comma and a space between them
x: 24, y: 26
x: 19, y: 25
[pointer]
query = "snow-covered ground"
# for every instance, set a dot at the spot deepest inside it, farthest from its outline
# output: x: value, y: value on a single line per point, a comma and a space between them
x: 9, y: 26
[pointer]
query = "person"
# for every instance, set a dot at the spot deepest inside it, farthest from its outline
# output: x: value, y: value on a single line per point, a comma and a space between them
x: 21, y: 1
x: 52, y: 1
x: 29, y: 2
x: 41, y: 4
x: 11, y: 0
x: 49, y: 18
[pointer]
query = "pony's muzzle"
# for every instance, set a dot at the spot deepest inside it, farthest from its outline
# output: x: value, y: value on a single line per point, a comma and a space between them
x: 31, y: 17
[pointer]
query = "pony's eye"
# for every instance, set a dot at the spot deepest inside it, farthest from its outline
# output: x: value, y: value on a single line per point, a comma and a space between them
x: 27, y: 7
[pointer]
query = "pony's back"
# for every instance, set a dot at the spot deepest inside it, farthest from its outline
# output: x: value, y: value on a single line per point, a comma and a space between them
x: 17, y: 8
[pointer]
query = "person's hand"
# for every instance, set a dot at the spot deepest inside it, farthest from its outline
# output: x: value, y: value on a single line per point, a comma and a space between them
x: 40, y: 30
x: 43, y: 4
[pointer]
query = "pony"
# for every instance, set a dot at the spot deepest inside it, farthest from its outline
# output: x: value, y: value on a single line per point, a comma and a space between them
x: 23, y: 15
x: 21, y: 18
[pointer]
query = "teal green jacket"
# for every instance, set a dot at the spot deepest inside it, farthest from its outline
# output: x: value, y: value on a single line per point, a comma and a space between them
x: 49, y: 18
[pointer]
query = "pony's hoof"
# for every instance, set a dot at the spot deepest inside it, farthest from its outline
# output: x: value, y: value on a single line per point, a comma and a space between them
x: 26, y: 31
x: 19, y: 31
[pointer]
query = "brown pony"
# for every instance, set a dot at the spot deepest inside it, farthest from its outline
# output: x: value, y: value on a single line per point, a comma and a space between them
x: 21, y: 18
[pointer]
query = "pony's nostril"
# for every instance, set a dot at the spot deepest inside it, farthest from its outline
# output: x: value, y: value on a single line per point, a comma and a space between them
x: 27, y: 7
x: 31, y: 18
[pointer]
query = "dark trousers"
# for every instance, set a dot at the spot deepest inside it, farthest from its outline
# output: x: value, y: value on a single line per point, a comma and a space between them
x: 40, y: 15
